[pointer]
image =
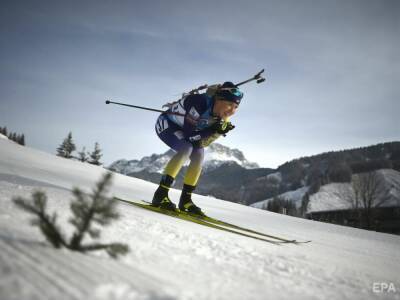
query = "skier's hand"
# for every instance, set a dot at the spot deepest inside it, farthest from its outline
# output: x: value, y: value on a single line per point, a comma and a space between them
x: 197, y: 144
x: 222, y: 127
x: 195, y: 141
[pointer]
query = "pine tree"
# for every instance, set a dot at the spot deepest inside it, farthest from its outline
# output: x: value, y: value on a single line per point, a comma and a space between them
x: 95, y: 155
x: 22, y: 140
x: 87, y: 210
x: 67, y: 147
x: 13, y: 136
x: 83, y: 155
x: 45, y: 222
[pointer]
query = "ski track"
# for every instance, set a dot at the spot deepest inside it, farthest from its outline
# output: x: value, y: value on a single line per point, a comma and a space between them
x: 44, y: 268
x: 233, y: 256
x: 226, y: 257
x: 229, y: 255
x: 32, y: 269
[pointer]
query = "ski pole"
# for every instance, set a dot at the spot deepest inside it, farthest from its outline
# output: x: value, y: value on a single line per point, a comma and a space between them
x: 147, y: 108
x: 257, y: 77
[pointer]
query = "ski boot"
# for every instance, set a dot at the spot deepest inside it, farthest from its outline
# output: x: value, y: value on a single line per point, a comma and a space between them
x: 164, y: 203
x: 160, y: 198
x: 186, y: 204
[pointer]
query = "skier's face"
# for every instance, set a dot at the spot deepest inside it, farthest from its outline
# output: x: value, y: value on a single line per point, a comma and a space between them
x: 224, y: 109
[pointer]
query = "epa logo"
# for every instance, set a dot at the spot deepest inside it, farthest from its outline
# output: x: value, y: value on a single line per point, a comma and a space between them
x: 383, y: 287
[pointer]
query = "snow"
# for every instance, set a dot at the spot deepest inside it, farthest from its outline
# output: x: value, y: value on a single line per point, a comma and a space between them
x: 215, y: 155
x: 334, y: 196
x: 277, y: 177
x: 331, y: 196
x: 174, y: 259
x: 294, y: 196
x: 392, y: 181
x: 2, y: 136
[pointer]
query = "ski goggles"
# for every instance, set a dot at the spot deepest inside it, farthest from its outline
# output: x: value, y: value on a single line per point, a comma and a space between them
x: 231, y: 94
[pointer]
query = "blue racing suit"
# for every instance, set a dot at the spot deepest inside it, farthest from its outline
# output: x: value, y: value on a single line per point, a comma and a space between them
x: 183, y: 134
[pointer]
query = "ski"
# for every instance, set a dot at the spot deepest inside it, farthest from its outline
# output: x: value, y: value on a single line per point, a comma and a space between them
x: 223, y: 223
x: 186, y: 217
x: 215, y: 223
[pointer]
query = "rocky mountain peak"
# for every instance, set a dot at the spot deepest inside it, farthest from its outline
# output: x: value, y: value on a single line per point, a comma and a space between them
x: 215, y: 155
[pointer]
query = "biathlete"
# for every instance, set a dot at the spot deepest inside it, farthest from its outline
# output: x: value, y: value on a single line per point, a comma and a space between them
x: 199, y: 120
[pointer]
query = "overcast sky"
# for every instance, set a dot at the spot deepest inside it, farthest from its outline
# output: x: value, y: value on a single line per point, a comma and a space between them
x: 332, y: 67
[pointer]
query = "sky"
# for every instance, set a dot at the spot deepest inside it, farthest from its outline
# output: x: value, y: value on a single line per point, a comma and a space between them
x: 332, y: 69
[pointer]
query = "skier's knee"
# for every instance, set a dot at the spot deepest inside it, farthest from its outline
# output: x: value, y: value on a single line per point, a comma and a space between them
x: 197, y: 155
x: 186, y: 151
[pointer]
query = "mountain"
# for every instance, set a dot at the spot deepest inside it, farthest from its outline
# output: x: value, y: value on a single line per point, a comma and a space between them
x: 215, y: 156
x: 226, y: 172
x: 174, y: 259
x: 228, y: 175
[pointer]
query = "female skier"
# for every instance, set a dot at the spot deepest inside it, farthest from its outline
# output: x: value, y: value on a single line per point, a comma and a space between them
x: 201, y: 119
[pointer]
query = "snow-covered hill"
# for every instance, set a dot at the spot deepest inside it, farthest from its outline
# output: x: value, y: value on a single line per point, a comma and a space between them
x: 174, y: 259
x: 215, y: 155
x: 335, y: 196
x: 294, y: 196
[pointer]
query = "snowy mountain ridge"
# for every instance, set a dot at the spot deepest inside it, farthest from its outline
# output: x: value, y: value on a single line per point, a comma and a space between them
x: 215, y: 155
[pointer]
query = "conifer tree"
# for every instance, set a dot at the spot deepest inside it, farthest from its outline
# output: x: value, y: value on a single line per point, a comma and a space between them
x: 44, y: 221
x: 82, y: 155
x: 22, y: 140
x: 67, y: 147
x: 13, y: 136
x: 87, y: 210
x: 96, y: 155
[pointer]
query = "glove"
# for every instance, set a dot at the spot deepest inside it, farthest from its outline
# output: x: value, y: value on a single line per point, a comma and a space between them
x: 222, y: 127
x: 197, y: 144
x: 195, y: 141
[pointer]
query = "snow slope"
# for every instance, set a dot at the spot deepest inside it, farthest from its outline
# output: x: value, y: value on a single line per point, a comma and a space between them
x: 294, y: 196
x: 334, y: 196
x: 174, y: 259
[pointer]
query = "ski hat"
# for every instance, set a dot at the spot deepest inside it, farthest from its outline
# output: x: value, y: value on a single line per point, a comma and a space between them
x: 229, y: 92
